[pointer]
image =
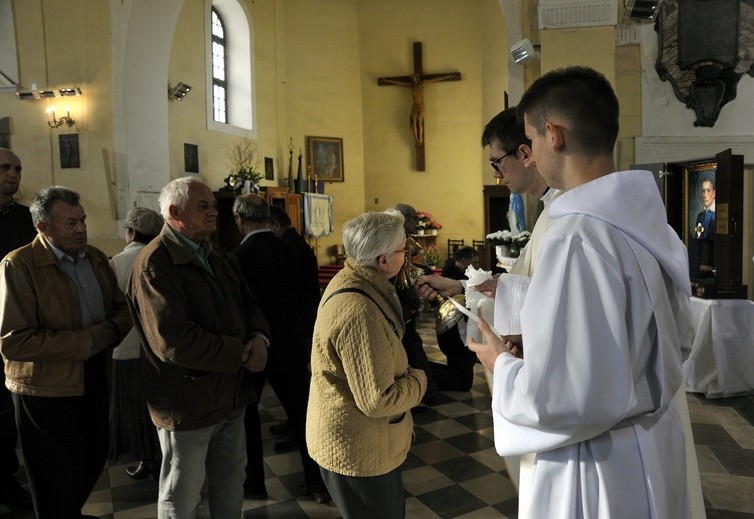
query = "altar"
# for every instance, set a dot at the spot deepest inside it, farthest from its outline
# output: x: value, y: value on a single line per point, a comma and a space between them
x: 721, y: 362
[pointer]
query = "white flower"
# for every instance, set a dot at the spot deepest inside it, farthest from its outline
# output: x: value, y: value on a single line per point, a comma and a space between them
x: 500, y: 237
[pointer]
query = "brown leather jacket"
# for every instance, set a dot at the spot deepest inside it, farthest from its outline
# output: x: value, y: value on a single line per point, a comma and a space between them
x: 41, y: 339
x: 193, y: 326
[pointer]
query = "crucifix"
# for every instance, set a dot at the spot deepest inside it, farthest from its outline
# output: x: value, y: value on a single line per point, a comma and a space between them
x: 416, y: 81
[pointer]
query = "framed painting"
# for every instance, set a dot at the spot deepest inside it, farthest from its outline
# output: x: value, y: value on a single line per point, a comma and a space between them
x: 190, y: 158
x: 324, y: 156
x: 699, y: 191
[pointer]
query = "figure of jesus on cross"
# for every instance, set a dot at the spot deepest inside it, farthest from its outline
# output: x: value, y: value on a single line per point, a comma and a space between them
x: 417, y: 81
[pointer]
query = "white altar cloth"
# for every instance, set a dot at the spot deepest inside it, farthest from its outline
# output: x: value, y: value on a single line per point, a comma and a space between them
x: 721, y: 362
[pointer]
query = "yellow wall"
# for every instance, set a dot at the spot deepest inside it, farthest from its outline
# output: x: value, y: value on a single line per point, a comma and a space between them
x: 316, y: 69
x: 65, y: 44
x: 467, y: 37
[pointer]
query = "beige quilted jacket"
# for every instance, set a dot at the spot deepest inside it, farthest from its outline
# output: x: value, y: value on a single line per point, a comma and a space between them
x: 359, y: 421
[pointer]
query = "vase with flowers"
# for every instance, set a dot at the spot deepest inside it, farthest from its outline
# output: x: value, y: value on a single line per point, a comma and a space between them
x: 518, y: 242
x: 434, y: 227
x: 502, y: 241
x: 243, y: 160
x: 423, y: 222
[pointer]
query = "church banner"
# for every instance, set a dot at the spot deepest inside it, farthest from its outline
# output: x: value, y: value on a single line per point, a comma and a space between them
x: 317, y: 214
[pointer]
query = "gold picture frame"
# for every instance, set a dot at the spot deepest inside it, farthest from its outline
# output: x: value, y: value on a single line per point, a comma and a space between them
x: 324, y: 157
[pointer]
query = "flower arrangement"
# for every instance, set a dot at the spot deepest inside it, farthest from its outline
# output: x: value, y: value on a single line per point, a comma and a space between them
x: 509, y: 239
x: 432, y: 256
x: 434, y: 224
x: 424, y: 220
x: 243, y: 159
x: 521, y: 239
x: 500, y: 237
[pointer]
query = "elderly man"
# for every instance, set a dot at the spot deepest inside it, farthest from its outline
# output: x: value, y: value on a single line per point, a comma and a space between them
x: 60, y: 314
x: 275, y: 277
x: 203, y: 333
x: 16, y: 230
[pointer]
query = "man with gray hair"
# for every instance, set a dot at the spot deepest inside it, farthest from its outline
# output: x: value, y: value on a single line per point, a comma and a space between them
x: 202, y: 333
x: 275, y: 277
x: 60, y: 314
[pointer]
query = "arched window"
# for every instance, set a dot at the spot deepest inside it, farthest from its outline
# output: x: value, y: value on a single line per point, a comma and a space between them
x: 219, y: 83
x: 230, y: 66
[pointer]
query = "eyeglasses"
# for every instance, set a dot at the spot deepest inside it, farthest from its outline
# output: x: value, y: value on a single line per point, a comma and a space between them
x: 8, y: 167
x: 498, y: 162
x: 404, y: 251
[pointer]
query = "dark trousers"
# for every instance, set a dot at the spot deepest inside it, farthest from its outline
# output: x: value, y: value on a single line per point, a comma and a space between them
x: 291, y: 385
x: 376, y: 497
x: 458, y: 374
x: 8, y: 437
x: 64, y: 442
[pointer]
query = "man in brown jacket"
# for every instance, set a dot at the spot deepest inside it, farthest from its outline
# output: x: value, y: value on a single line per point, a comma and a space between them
x: 60, y: 313
x: 202, y: 333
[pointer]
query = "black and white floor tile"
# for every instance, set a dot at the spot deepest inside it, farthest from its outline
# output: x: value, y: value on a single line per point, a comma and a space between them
x: 452, y: 470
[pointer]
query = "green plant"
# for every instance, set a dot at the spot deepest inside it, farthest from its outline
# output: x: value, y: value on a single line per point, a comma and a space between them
x: 432, y: 256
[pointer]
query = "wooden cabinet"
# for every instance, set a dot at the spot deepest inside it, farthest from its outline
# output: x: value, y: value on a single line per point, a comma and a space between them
x: 496, y: 201
x: 289, y: 202
x: 228, y: 236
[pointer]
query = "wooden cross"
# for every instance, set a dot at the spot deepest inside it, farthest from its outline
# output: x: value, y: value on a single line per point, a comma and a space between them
x: 416, y: 81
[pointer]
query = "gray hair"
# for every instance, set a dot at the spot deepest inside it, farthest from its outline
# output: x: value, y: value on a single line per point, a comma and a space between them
x: 370, y: 235
x: 41, y: 207
x: 252, y: 208
x: 175, y: 193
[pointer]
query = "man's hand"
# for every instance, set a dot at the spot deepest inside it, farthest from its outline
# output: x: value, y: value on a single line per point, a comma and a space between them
x: 104, y: 335
x: 488, y: 288
x: 446, y: 286
x: 493, y: 346
x: 254, y: 356
x: 516, y: 345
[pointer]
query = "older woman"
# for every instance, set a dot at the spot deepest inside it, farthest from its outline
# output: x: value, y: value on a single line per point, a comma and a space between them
x: 359, y: 425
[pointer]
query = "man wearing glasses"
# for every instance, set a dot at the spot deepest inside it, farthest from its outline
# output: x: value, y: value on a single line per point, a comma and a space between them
x: 510, y: 158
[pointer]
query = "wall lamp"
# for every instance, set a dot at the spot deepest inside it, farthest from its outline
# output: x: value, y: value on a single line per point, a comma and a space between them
x: 179, y: 91
x: 57, y: 122
x: 523, y: 51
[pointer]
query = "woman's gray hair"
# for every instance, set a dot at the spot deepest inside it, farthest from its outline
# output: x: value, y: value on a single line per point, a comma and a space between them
x: 370, y: 235
x: 41, y: 207
x: 175, y: 193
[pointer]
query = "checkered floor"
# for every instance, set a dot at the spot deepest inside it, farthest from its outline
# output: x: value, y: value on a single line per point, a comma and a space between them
x: 452, y: 470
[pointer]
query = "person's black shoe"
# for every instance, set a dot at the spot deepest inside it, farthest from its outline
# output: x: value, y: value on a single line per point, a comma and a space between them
x: 287, y: 444
x: 320, y: 494
x: 145, y: 469
x: 15, y: 497
x: 255, y: 494
x: 281, y: 429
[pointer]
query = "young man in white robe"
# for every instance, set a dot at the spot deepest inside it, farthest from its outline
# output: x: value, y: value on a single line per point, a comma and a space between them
x: 603, y: 323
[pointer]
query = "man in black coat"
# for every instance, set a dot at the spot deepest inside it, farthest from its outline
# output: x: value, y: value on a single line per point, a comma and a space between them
x: 273, y: 272
x: 16, y: 230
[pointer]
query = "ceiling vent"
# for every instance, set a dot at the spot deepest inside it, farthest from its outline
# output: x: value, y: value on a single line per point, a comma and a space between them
x: 577, y: 13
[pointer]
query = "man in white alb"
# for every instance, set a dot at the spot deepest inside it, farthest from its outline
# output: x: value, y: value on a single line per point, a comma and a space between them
x: 603, y: 324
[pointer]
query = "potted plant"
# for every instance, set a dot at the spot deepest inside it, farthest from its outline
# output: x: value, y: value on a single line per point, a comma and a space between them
x: 424, y: 220
x: 432, y: 256
x: 502, y: 241
x: 243, y: 160
x: 435, y: 226
x: 518, y: 242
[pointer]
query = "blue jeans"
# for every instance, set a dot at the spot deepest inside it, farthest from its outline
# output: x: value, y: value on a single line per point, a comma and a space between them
x: 221, y: 451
